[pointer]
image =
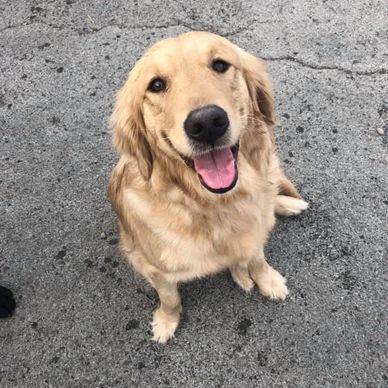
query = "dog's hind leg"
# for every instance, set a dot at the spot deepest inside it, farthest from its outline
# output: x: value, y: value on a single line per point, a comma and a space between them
x: 289, y: 206
x: 286, y: 187
x: 288, y: 201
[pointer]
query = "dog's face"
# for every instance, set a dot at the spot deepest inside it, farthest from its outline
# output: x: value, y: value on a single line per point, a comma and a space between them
x: 191, y: 98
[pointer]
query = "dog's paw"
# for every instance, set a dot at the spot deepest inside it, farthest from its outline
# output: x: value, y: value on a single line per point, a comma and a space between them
x: 163, y: 326
x: 289, y: 206
x: 241, y: 277
x: 272, y: 285
x: 7, y: 302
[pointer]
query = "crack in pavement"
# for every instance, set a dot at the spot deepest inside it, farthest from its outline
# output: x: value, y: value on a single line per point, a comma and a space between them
x: 180, y: 23
x: 91, y: 30
x: 253, y: 22
x: 325, y: 67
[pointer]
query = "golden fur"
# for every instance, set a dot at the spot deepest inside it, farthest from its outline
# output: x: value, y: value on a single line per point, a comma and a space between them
x: 171, y: 228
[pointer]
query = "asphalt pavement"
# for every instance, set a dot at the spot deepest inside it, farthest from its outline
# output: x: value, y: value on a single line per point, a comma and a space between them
x: 83, y: 317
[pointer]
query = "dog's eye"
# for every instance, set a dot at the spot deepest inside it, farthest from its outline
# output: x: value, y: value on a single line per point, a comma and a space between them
x: 220, y: 66
x: 157, y: 85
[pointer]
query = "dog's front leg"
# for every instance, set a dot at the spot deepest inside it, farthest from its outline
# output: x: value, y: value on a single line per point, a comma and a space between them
x: 240, y: 275
x: 166, y: 317
x: 269, y: 281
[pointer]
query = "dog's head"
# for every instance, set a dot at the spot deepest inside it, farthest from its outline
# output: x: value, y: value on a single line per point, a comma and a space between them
x: 190, y: 99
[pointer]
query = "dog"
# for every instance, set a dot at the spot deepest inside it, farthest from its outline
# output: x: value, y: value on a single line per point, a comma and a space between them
x: 198, y: 182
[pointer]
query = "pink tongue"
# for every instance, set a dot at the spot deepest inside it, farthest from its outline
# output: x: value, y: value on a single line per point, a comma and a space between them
x: 216, y: 168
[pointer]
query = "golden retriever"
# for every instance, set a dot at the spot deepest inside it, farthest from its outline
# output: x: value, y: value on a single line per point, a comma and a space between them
x: 198, y: 182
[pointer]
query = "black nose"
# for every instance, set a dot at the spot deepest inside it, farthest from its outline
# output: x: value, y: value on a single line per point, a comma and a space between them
x: 206, y: 124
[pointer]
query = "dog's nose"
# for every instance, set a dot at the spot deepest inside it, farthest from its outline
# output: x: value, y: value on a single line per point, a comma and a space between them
x: 206, y: 124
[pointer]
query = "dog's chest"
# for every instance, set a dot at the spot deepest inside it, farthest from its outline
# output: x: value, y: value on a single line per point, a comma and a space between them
x: 213, y: 242
x: 194, y: 242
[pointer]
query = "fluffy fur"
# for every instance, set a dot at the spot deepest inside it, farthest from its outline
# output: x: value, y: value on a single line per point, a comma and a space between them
x: 171, y: 228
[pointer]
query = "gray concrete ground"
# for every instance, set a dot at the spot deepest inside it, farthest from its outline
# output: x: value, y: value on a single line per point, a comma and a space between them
x: 83, y: 318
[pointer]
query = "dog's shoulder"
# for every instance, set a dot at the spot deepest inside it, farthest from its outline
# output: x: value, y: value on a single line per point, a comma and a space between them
x: 125, y: 174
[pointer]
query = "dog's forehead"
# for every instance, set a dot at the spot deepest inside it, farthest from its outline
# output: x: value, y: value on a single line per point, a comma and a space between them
x: 190, y: 48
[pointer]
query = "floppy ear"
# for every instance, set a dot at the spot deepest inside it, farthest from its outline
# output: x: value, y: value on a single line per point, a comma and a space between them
x: 259, y: 85
x: 129, y: 133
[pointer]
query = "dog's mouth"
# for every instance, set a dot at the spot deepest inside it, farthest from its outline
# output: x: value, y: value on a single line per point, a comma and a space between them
x: 217, y: 169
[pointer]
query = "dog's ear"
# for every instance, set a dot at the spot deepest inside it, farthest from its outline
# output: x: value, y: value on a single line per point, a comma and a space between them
x: 259, y: 85
x: 129, y: 132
